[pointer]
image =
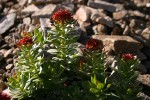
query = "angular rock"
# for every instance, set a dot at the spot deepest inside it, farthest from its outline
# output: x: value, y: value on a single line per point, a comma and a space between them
x: 44, y: 1
x: 82, y: 14
x: 102, y: 5
x: 146, y: 36
x: 9, y: 66
x: 5, y: 11
x: 144, y: 79
x: 119, y: 15
x: 103, y: 20
x: 5, y: 46
x: 15, y: 51
x: 100, y: 29
x: 8, y: 53
x: 12, y: 11
x: 47, y: 11
x: 68, y: 6
x: 45, y: 23
x: 119, y: 44
x: 126, y: 31
x: 22, y: 2
x: 141, y: 3
x: 30, y: 9
x: 7, y: 22
x: 137, y: 24
x: 3, y: 51
x: 136, y: 13
x: 9, y: 60
x: 9, y: 39
x: 27, y: 21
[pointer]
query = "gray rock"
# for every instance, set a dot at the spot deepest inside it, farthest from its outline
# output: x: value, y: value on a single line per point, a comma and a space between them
x: 8, y: 39
x: 9, y: 66
x: 9, y: 60
x: 47, y: 11
x: 103, y: 20
x: 27, y: 21
x: 137, y: 24
x: 136, y: 13
x: 8, y: 53
x: 141, y: 3
x: 3, y: 51
x: 119, y: 44
x: 15, y: 51
x: 68, y: 6
x: 5, y: 10
x: 7, y: 22
x: 22, y: 2
x: 144, y: 79
x: 126, y: 31
x: 5, y: 46
x: 44, y: 1
x: 30, y: 9
x: 102, y: 5
x: 119, y: 15
x: 96, y: 14
x: 12, y: 11
x: 82, y: 14
x: 45, y: 23
x: 100, y: 29
x: 146, y: 36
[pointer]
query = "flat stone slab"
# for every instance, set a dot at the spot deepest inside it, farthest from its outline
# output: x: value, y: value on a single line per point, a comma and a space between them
x: 30, y: 9
x: 7, y: 22
x: 119, y: 44
x: 102, y: 5
x: 45, y: 12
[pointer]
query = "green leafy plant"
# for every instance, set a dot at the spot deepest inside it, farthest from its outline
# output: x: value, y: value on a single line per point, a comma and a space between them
x: 51, y: 68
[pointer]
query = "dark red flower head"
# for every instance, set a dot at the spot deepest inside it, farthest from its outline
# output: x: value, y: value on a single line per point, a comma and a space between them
x: 62, y: 16
x: 94, y: 44
x: 127, y: 56
x: 27, y: 40
x: 4, y: 96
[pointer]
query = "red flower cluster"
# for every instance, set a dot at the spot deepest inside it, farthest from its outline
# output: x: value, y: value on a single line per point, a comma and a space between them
x: 94, y: 44
x: 127, y: 56
x: 27, y: 40
x: 4, y: 96
x: 62, y: 16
